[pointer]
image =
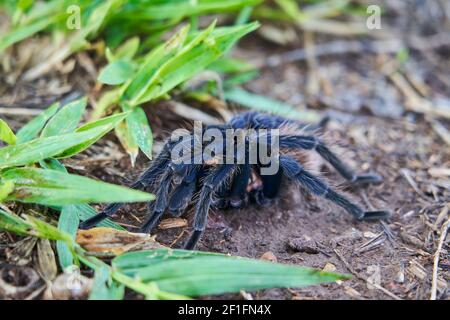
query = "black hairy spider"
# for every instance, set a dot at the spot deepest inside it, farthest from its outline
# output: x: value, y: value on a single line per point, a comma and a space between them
x: 220, y: 183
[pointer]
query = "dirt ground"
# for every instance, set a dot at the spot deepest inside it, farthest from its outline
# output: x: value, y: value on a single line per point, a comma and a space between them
x: 376, y: 126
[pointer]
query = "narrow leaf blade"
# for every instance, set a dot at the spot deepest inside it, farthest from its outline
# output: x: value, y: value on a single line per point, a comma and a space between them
x: 54, y: 188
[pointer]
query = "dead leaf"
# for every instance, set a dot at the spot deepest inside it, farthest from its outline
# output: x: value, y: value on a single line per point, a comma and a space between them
x: 172, y: 223
x: 115, y: 242
x: 45, y: 260
x: 21, y: 253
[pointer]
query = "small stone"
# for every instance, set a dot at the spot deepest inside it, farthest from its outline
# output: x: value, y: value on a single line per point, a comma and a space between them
x: 269, y: 256
x: 352, y: 292
x: 306, y: 245
x: 329, y: 267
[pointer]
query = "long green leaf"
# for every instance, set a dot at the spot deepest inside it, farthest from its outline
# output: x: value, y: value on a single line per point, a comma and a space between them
x: 82, y: 211
x: 66, y: 120
x: 54, y: 188
x: 62, y: 146
x: 104, y: 287
x: 68, y: 222
x: 6, y: 134
x: 102, y: 126
x: 199, y: 274
x: 116, y: 72
x: 194, y: 57
x: 22, y: 33
x: 140, y: 131
x: 13, y: 223
x: 32, y: 128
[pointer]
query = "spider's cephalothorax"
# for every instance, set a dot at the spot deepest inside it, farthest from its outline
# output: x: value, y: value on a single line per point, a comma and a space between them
x: 225, y: 167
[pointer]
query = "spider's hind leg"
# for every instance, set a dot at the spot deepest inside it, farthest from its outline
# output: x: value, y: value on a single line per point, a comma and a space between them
x: 313, y: 143
x: 294, y: 171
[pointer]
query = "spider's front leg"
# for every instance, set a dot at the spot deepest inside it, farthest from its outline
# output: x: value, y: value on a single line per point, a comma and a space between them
x: 212, y: 182
x: 146, y: 179
x: 161, y: 202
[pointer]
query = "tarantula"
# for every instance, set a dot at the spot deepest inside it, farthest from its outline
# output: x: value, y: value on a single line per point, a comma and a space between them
x: 228, y: 177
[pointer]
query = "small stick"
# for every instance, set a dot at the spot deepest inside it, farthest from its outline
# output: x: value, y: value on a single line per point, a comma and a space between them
x: 441, y: 131
x: 444, y: 231
x: 20, y: 111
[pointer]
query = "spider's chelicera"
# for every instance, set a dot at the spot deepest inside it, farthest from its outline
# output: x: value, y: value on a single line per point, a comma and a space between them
x: 231, y: 165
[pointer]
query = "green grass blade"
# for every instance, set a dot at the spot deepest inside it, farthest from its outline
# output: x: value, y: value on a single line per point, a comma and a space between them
x: 102, y: 126
x: 151, y: 64
x: 116, y: 72
x: 13, y: 223
x: 6, y: 134
x: 203, y: 49
x: 32, y: 128
x: 133, y: 261
x: 22, y: 33
x: 83, y: 211
x: 127, y: 141
x: 54, y: 188
x: 68, y: 222
x: 43, y: 148
x: 140, y: 131
x: 104, y: 287
x: 196, y: 274
x: 125, y: 52
x: 66, y: 119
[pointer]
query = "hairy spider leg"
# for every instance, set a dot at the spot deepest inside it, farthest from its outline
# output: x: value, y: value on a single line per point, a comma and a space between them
x: 183, y: 193
x: 294, y: 171
x: 146, y: 179
x: 160, y: 203
x: 313, y: 143
x: 257, y: 120
x: 212, y: 182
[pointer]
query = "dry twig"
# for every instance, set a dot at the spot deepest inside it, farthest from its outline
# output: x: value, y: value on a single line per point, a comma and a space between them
x: 434, y: 281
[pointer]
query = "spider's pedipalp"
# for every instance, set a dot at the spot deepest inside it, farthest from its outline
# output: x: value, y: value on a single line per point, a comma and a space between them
x: 294, y: 171
x: 180, y: 198
x: 238, y: 192
x: 184, y: 191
